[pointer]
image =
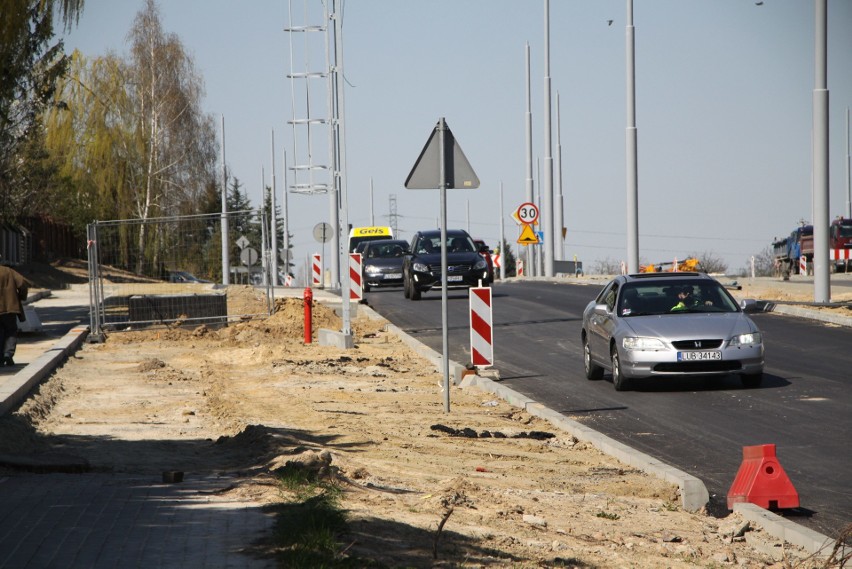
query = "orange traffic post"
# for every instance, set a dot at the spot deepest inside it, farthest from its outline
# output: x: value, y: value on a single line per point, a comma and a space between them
x: 761, y: 481
x: 309, y: 300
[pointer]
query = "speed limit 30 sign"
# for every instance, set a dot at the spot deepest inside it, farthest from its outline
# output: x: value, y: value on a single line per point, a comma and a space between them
x: 527, y: 213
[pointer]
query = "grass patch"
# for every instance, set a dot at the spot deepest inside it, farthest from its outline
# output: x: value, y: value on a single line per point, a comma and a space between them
x: 308, y: 527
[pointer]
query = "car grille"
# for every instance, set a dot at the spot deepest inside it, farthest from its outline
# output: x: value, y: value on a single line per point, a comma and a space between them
x: 450, y: 269
x: 698, y: 367
x: 697, y: 344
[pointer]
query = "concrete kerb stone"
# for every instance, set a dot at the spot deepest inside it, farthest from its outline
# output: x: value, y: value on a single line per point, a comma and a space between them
x: 694, y: 494
x: 801, y: 312
x: 811, y: 541
x: 15, y: 389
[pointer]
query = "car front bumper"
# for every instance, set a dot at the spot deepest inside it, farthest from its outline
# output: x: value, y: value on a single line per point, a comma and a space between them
x: 425, y: 281
x: 737, y: 360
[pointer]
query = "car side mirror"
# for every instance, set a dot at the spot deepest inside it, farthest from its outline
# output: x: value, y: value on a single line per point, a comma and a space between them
x: 484, y: 249
x: 749, y: 305
x: 601, y: 309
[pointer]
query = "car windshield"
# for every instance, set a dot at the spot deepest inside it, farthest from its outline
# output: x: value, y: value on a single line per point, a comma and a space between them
x: 387, y: 250
x: 455, y: 244
x: 682, y: 297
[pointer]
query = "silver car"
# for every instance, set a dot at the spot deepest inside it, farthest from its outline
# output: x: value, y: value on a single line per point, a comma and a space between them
x: 658, y: 325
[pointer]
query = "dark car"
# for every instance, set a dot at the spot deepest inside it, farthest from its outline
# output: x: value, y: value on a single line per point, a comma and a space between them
x: 486, y: 253
x: 662, y: 326
x: 422, y: 266
x: 184, y: 277
x: 381, y: 262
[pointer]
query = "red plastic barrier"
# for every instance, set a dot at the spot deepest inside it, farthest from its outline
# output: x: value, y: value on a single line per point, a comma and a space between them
x: 761, y: 481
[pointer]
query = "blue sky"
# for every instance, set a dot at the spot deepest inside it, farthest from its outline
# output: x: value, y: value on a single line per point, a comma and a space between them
x: 724, y: 110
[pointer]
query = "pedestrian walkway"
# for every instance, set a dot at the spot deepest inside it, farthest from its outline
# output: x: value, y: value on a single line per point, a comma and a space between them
x: 92, y: 521
x: 102, y: 520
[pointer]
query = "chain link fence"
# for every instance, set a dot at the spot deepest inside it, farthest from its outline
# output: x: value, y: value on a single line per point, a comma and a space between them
x: 168, y: 271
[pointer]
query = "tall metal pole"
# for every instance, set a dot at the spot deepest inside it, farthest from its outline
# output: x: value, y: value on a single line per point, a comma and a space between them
x: 848, y: 171
x: 273, y: 223
x: 502, y: 238
x: 333, y: 194
x: 529, y: 181
x: 226, y: 269
x: 445, y: 339
x: 286, y: 218
x: 549, y: 234
x: 264, y: 262
x: 632, y: 153
x: 822, y: 292
x: 558, y: 220
x: 340, y: 119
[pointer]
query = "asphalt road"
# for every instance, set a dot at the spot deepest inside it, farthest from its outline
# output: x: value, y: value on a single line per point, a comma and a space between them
x: 697, y: 424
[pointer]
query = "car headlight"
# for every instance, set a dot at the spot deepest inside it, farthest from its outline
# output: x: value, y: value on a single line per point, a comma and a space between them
x: 750, y: 339
x: 371, y: 269
x: 644, y: 344
x: 480, y: 264
x: 420, y: 267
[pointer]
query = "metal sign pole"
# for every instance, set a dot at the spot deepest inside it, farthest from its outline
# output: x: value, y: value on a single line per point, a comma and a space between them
x: 444, y: 331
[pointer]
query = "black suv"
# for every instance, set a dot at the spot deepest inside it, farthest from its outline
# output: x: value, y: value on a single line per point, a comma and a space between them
x: 421, y: 269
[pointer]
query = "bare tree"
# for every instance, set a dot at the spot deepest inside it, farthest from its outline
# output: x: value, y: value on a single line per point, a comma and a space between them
x: 178, y: 138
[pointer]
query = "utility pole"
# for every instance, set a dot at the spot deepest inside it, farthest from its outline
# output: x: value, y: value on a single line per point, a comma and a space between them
x: 273, y: 222
x: 226, y: 269
x: 822, y: 287
x: 547, y: 228
x: 632, y: 153
x: 530, y: 266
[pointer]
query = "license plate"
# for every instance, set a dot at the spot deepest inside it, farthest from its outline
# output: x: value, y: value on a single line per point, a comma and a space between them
x: 698, y: 356
x: 393, y: 276
x: 454, y: 278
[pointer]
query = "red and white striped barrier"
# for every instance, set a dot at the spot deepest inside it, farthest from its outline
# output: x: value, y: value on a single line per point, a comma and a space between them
x: 481, y: 341
x: 288, y: 280
x: 356, y: 287
x: 840, y: 254
x: 520, y: 268
x: 316, y: 270
x: 803, y: 265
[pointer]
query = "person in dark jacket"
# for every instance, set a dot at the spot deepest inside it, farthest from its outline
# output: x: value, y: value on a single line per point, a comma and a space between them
x: 13, y: 292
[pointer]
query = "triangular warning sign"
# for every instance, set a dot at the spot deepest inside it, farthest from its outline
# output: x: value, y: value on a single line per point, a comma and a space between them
x: 426, y: 173
x: 528, y: 236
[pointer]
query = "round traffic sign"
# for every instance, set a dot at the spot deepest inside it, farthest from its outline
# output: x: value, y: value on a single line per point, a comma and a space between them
x: 527, y: 213
x: 322, y: 232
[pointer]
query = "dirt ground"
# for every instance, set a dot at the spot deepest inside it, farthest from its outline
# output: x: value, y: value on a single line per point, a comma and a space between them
x: 247, y: 398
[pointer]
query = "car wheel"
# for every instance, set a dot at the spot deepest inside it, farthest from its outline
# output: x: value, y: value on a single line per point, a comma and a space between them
x: 366, y: 287
x: 415, y: 293
x: 618, y: 380
x: 406, y: 287
x: 593, y: 371
x: 752, y: 379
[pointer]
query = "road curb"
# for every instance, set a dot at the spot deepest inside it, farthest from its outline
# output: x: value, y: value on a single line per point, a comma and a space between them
x: 801, y: 312
x: 693, y: 492
x: 16, y: 388
x: 811, y: 541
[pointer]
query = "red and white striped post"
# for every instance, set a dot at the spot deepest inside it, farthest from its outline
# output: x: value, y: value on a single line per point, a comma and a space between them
x: 356, y: 289
x: 481, y: 340
x: 519, y: 271
x: 316, y: 270
x: 803, y: 265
